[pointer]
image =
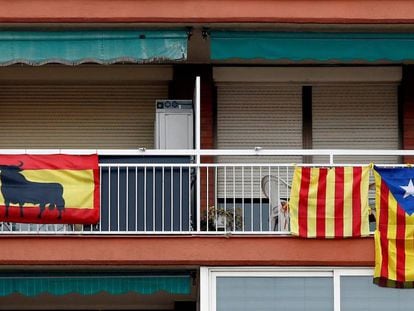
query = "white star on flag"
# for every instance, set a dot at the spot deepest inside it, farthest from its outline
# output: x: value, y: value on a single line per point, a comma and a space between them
x: 409, y: 189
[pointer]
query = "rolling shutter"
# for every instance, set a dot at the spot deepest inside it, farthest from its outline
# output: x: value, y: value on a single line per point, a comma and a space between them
x: 355, y: 116
x: 79, y: 116
x: 267, y: 115
x: 258, y: 114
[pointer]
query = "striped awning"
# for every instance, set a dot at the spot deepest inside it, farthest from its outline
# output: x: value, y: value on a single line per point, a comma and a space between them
x: 90, y: 285
x: 92, y: 46
x: 312, y: 46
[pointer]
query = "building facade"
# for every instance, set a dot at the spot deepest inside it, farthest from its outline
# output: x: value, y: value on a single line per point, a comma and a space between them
x: 199, y: 112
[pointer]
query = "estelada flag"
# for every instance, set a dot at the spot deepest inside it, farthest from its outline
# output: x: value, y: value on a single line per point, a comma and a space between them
x: 52, y: 189
x: 394, y: 236
x: 329, y: 202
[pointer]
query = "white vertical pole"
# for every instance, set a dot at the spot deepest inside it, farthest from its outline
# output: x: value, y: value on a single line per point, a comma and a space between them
x: 204, y: 289
x: 198, y: 147
x: 337, y: 290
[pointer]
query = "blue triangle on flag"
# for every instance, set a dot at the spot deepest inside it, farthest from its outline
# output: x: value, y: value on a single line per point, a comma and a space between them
x: 400, y: 181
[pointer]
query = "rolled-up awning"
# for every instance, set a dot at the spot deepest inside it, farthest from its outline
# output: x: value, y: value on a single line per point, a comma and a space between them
x: 309, y: 46
x: 89, y: 285
x: 92, y: 46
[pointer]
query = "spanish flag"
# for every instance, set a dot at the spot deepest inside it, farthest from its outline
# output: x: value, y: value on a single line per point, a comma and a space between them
x: 52, y: 189
x: 394, y: 237
x: 329, y: 202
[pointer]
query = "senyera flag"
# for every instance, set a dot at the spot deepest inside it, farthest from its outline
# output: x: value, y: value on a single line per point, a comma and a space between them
x: 394, y: 236
x: 329, y: 202
x: 52, y: 189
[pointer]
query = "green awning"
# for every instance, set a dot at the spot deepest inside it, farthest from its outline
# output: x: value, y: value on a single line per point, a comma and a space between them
x: 92, y: 46
x: 90, y: 285
x: 307, y: 46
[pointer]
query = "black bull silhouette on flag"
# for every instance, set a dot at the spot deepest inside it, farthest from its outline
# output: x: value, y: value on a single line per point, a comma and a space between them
x: 16, y: 189
x: 50, y: 188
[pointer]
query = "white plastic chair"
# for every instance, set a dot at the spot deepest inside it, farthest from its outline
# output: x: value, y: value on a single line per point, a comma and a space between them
x: 279, y: 216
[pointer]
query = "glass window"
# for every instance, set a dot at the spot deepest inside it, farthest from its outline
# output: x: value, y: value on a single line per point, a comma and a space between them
x: 359, y: 293
x: 274, y: 293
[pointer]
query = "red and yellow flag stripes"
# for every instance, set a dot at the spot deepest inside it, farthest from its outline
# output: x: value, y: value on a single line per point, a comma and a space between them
x: 329, y: 202
x: 49, y: 189
x: 394, y: 240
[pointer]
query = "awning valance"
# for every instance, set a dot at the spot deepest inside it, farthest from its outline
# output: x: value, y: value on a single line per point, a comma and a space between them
x: 92, y: 46
x: 309, y: 46
x: 90, y: 285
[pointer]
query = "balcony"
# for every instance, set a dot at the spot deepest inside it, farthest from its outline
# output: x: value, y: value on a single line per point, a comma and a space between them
x: 160, y: 192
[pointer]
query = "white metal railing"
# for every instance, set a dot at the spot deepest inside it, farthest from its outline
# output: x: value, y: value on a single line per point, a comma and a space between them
x: 243, y: 198
x: 147, y: 198
x: 257, y: 151
x: 135, y: 199
x: 248, y: 197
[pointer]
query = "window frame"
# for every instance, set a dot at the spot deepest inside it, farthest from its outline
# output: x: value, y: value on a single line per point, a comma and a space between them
x: 208, y: 279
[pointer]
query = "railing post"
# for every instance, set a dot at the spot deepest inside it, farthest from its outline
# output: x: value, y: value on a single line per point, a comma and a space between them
x: 198, y: 147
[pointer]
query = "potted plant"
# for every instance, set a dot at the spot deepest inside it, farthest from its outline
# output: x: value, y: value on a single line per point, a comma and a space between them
x: 221, y: 219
